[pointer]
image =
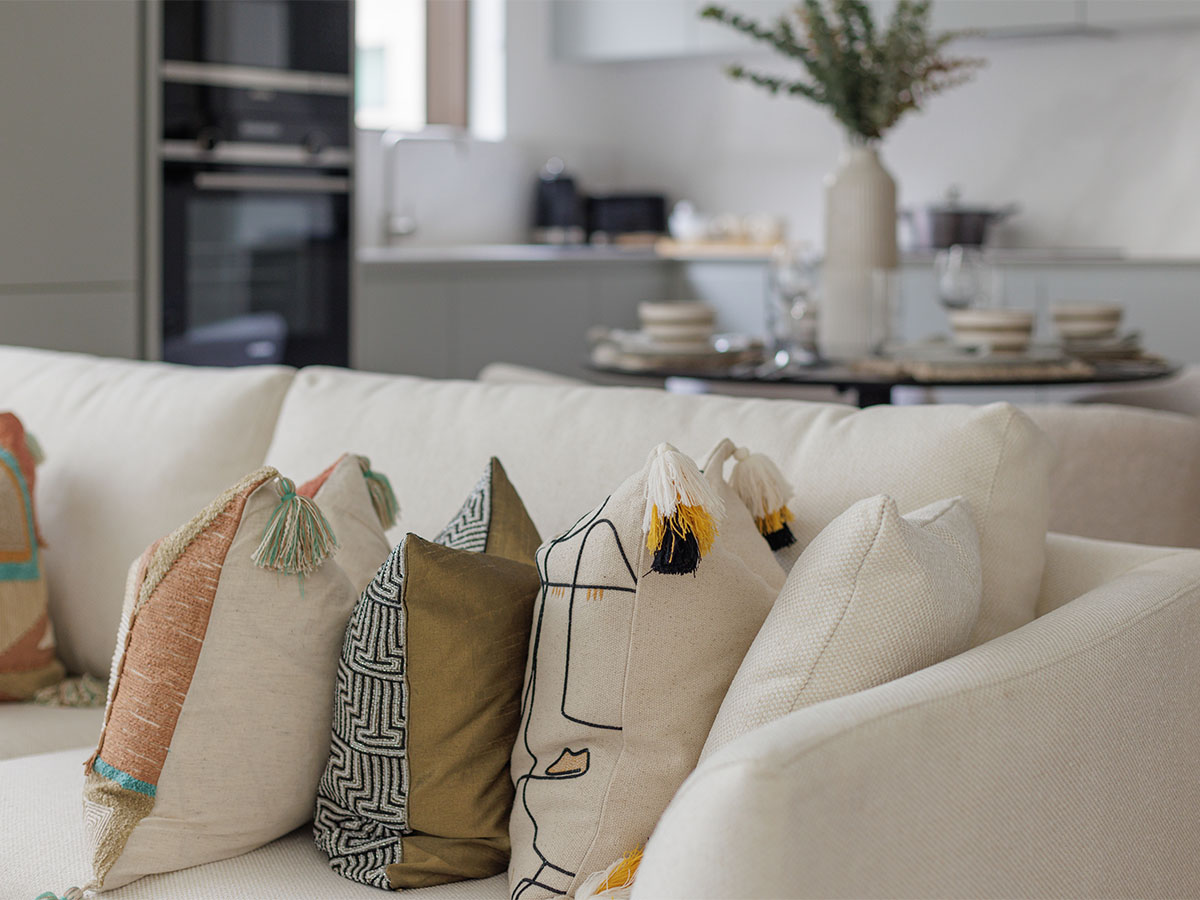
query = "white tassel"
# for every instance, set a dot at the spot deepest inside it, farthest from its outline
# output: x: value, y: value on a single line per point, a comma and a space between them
x: 766, y: 492
x: 613, y: 883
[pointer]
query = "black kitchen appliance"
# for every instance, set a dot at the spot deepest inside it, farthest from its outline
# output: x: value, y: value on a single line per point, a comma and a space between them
x: 558, y: 216
x: 626, y: 218
x: 256, y: 170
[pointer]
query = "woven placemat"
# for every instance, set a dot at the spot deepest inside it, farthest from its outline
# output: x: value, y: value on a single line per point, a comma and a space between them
x: 976, y: 370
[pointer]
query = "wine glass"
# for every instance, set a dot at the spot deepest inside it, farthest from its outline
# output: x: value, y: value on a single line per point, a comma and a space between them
x: 792, y: 307
x: 960, y: 273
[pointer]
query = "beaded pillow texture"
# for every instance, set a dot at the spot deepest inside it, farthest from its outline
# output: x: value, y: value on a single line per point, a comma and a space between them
x: 646, y: 607
x: 219, y: 700
x: 416, y: 790
x: 27, y: 649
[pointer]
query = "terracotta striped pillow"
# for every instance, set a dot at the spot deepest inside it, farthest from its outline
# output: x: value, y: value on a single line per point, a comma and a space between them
x: 220, y: 699
x: 27, y: 649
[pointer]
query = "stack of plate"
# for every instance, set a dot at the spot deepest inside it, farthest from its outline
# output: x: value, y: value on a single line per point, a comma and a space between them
x: 678, y: 325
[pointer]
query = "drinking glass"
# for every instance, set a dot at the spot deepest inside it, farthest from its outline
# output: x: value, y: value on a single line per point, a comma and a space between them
x: 792, y: 306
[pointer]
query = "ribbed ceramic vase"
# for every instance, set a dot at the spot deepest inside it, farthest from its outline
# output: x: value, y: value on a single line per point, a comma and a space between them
x: 860, y: 254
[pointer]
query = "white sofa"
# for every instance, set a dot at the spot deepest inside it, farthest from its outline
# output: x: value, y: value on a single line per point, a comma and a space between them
x: 1061, y: 759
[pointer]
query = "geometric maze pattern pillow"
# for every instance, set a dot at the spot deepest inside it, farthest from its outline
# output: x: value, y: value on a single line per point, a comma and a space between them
x: 631, y: 655
x: 27, y: 658
x: 416, y: 789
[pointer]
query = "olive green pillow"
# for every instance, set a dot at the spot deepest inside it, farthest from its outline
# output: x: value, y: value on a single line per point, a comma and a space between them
x: 417, y: 791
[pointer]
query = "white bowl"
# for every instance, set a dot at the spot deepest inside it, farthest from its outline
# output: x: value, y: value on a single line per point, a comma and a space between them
x: 689, y: 333
x: 997, y: 329
x: 1087, y: 321
x: 676, y: 312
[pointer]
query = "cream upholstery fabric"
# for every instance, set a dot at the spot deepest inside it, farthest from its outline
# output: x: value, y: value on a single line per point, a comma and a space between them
x: 1075, y: 566
x: 1058, y: 760
x: 1180, y: 394
x: 26, y: 728
x: 42, y: 844
x: 1124, y: 474
x: 566, y: 446
x: 875, y: 596
x: 132, y: 450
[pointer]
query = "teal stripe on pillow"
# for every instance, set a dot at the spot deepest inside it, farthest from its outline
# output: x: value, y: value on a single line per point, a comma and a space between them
x: 124, y: 779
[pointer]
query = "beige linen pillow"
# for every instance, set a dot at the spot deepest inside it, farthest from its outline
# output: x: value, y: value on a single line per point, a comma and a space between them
x: 219, y: 705
x: 875, y: 596
x: 642, y: 619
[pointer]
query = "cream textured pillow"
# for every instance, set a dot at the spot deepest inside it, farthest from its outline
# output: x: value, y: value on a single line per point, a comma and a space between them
x: 219, y: 705
x: 642, y: 619
x: 875, y: 596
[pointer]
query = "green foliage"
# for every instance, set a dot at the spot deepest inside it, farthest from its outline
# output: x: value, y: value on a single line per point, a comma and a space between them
x: 867, y: 77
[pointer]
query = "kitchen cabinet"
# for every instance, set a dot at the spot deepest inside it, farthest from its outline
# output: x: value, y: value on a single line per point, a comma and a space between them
x: 999, y: 18
x: 450, y: 319
x: 70, y: 141
x: 79, y: 318
x: 614, y: 30
x: 1120, y: 14
x: 70, y: 179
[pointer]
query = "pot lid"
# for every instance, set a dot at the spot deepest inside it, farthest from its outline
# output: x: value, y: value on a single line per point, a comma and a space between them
x: 952, y: 204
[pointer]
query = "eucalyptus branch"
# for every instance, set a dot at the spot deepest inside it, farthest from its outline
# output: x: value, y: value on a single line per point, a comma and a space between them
x: 868, y: 76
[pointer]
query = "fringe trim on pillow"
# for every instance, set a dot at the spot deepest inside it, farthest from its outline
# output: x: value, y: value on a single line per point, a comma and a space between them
x: 682, y: 512
x: 83, y: 692
x: 298, y: 537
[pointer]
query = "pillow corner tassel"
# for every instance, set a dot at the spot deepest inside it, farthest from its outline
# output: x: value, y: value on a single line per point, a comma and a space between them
x: 383, y: 498
x: 298, y: 537
x: 613, y: 883
x: 682, y: 512
x: 763, y: 488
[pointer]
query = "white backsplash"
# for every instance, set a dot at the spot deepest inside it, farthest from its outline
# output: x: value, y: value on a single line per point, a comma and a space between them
x: 1095, y: 137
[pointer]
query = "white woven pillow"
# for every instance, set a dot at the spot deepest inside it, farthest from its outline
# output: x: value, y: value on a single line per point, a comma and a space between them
x: 875, y: 596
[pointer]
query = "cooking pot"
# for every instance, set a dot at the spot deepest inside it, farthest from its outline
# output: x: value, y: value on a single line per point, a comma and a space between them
x: 940, y: 225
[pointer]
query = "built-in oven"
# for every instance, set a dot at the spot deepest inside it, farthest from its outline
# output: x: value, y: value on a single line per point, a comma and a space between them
x: 255, y: 264
x: 256, y: 161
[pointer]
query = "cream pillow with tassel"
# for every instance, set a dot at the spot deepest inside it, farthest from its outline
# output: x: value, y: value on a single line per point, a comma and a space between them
x: 647, y: 605
x: 219, y: 705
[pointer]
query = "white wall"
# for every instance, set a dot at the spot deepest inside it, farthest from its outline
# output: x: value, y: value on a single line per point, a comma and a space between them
x: 1097, y: 138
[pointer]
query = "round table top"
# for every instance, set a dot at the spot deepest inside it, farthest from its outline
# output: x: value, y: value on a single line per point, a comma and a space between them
x: 875, y: 382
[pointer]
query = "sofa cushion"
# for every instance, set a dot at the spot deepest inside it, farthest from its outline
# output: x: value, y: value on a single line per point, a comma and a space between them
x: 45, y: 851
x: 132, y: 450
x: 643, y: 617
x: 220, y: 699
x: 874, y: 597
x: 566, y: 446
x: 30, y: 728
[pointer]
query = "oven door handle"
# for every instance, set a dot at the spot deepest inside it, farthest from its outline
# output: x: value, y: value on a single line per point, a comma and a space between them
x: 238, y: 181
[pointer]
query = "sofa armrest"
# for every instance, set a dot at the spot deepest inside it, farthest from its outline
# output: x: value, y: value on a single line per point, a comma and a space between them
x: 1060, y: 759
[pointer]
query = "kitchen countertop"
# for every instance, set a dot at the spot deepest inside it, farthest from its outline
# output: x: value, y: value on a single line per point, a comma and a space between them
x: 607, y: 253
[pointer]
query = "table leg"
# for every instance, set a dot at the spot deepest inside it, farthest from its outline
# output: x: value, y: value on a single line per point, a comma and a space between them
x: 874, y: 395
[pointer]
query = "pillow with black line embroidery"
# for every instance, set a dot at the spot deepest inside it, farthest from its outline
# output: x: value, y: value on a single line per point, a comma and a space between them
x: 416, y: 790
x: 647, y: 605
x: 218, y: 707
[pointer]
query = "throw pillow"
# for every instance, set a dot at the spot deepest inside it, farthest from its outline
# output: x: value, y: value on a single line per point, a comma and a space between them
x: 647, y: 606
x: 27, y: 649
x: 416, y: 791
x: 219, y: 703
x: 875, y: 596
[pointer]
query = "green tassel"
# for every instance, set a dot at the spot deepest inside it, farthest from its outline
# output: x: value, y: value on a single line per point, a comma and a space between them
x: 297, y: 538
x: 383, y: 498
x: 35, y: 449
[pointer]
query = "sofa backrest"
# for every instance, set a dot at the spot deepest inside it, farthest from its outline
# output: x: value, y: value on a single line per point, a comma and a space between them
x: 1124, y: 474
x: 133, y: 450
x: 565, y: 448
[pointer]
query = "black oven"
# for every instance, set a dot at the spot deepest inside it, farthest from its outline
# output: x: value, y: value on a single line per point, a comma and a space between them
x: 256, y: 164
x: 256, y: 265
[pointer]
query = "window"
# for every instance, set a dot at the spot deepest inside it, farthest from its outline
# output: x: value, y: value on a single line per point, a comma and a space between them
x: 430, y: 62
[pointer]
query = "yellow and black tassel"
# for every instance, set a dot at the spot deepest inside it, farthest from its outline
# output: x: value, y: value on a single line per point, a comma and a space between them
x: 766, y: 492
x: 682, y: 512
